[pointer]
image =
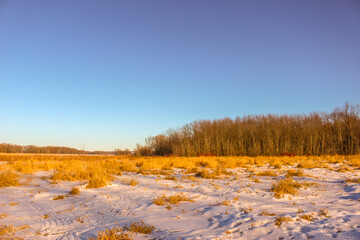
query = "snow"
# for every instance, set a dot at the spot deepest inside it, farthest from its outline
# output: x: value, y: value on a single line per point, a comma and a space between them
x: 82, y: 216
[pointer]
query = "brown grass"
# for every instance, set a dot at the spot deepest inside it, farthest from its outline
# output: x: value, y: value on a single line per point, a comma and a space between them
x: 116, y: 233
x: 268, y: 173
x: 8, y: 179
x: 285, y: 186
x: 281, y: 219
x: 140, y: 227
x: 74, y: 191
x: 173, y: 199
x: 294, y: 173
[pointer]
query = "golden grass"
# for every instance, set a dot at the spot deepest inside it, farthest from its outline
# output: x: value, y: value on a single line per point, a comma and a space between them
x: 9, y: 229
x: 75, y: 191
x: 285, y: 186
x: 173, y: 199
x: 294, y: 173
x: 116, y: 233
x: 140, y: 227
x: 281, y: 219
x: 100, y: 170
x: 8, y: 179
x: 353, y: 180
x: 307, y: 217
x: 266, y: 213
x: 268, y: 173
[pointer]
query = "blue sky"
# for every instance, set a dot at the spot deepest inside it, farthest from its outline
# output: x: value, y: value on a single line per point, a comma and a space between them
x: 101, y: 75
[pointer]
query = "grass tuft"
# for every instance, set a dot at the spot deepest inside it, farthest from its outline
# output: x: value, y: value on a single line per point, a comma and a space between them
x: 140, y: 227
x: 8, y: 179
x: 174, y: 199
x: 115, y: 233
x: 285, y: 186
x: 75, y: 191
x: 281, y: 219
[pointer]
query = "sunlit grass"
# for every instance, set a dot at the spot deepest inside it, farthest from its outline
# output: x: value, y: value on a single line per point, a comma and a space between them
x: 8, y: 179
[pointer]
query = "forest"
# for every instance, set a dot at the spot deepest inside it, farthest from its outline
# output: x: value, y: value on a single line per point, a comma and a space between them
x: 315, y: 133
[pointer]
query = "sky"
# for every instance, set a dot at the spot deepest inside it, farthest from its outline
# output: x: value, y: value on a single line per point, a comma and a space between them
x: 100, y: 75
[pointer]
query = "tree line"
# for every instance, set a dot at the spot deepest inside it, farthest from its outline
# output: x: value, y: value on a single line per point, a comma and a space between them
x: 316, y: 133
x: 13, y: 148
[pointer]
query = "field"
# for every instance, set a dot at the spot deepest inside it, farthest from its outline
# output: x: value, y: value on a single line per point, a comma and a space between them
x: 128, y: 197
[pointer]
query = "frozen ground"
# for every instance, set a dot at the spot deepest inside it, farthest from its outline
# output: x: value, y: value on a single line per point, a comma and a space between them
x: 227, y: 208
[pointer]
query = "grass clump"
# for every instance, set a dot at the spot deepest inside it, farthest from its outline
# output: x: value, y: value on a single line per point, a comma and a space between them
x: 307, y: 164
x: 133, y: 182
x: 353, y: 180
x: 140, y: 227
x: 172, y: 178
x: 115, y: 233
x: 285, y: 186
x: 74, y: 191
x: 294, y: 173
x: 307, y: 217
x: 8, y: 179
x: 174, y: 199
x: 9, y: 229
x: 6, y: 229
x: 268, y: 173
x: 60, y: 197
x: 266, y: 213
x: 281, y: 219
x: 324, y: 212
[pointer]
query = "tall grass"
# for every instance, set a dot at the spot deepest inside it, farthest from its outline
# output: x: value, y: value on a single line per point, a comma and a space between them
x: 8, y: 179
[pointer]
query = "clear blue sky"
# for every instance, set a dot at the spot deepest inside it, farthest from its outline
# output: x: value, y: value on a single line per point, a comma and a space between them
x: 101, y: 75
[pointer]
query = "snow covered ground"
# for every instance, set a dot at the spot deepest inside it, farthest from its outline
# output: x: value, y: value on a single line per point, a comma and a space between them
x: 233, y: 207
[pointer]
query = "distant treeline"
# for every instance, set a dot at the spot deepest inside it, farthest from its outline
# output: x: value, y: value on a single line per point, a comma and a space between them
x: 316, y: 133
x: 13, y: 148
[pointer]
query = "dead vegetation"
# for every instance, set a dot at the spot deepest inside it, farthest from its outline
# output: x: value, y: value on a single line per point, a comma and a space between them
x: 285, y: 186
x: 172, y: 199
x: 8, y: 179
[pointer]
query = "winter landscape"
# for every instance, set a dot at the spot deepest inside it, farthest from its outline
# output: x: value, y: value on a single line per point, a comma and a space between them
x: 177, y: 198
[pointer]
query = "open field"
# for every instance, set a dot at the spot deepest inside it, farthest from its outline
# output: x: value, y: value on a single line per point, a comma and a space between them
x: 89, y: 197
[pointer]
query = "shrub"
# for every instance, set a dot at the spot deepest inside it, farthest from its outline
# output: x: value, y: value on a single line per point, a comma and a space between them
x: 8, y: 179
x: 285, y: 186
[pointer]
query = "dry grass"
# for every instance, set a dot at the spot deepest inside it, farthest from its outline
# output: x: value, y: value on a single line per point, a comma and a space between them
x: 268, y: 173
x: 285, y: 186
x: 116, y: 233
x: 74, y: 191
x: 9, y: 229
x: 324, y: 212
x: 294, y: 173
x: 266, y: 213
x: 8, y: 179
x: 140, y: 227
x: 173, y: 199
x: 60, y: 197
x: 307, y: 217
x: 281, y: 219
x: 353, y: 180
